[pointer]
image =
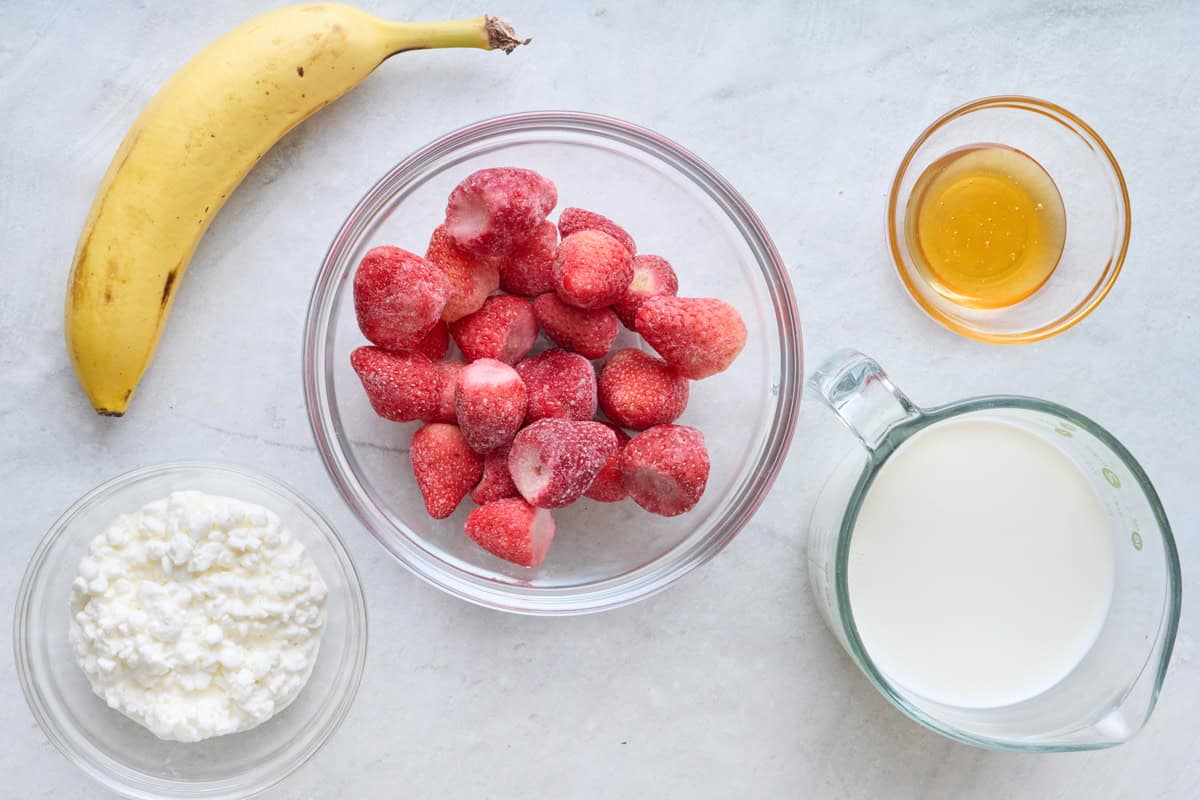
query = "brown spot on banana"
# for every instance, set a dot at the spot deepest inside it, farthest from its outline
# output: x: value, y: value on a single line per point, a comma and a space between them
x: 166, y: 292
x: 80, y: 273
x: 78, y: 281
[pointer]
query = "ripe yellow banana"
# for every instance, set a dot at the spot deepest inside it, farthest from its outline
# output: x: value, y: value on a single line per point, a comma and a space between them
x: 190, y: 148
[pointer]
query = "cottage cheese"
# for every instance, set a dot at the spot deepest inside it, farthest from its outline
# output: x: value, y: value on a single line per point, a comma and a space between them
x: 197, y: 616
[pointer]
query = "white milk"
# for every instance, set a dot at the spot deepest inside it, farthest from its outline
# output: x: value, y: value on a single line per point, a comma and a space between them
x: 981, y: 565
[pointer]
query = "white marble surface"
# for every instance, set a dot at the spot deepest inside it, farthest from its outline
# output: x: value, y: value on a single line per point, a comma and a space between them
x: 727, y: 684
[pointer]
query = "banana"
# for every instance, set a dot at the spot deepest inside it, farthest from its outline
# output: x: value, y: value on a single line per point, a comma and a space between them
x: 190, y: 148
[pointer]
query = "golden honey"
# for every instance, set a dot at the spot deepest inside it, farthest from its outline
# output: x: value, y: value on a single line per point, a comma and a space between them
x: 985, y: 225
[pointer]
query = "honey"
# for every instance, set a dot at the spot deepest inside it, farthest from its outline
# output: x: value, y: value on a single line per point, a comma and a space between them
x: 985, y: 225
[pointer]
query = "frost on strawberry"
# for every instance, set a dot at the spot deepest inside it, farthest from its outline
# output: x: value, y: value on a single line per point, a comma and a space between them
x: 471, y: 278
x: 560, y: 385
x: 447, y: 372
x: 436, y: 342
x: 589, y: 332
x: 554, y: 461
x: 607, y: 486
x: 665, y: 469
x: 398, y: 297
x: 652, y: 276
x: 496, y: 483
x: 528, y: 267
x: 591, y: 269
x: 445, y: 466
x: 490, y: 402
x: 504, y: 329
x: 400, y: 387
x: 574, y: 220
x: 493, y: 209
x: 637, y: 390
x: 513, y: 530
x: 698, y: 336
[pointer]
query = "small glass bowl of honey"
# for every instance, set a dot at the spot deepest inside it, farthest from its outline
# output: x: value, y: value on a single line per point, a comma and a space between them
x: 1008, y: 220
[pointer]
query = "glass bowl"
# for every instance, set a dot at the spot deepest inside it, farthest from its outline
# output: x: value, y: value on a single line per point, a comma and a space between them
x: 118, y: 752
x: 604, y: 555
x: 1093, y: 192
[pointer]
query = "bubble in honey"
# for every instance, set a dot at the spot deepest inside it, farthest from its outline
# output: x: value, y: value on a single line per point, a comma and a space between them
x: 986, y: 225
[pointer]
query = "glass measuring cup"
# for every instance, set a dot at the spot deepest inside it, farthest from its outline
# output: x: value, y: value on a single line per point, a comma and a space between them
x: 1110, y: 693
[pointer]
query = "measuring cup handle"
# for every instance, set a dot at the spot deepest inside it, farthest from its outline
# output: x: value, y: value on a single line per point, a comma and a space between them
x: 862, y: 395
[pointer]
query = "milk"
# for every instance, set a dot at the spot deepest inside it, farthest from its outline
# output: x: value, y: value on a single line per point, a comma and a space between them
x: 981, y: 565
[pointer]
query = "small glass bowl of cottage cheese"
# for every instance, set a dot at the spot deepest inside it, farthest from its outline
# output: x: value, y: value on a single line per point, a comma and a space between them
x: 215, y: 565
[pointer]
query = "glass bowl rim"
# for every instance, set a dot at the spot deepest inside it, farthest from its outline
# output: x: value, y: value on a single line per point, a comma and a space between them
x: 648, y: 579
x: 147, y: 787
x: 1098, y: 292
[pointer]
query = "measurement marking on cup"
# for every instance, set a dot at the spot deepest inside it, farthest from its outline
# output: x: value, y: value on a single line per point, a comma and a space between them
x: 1136, y: 538
x: 1111, y: 477
x: 1064, y: 428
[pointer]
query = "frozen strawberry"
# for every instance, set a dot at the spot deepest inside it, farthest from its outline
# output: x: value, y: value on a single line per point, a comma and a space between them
x: 447, y: 372
x: 436, y: 342
x: 445, y: 466
x: 587, y: 331
x: 607, y: 486
x: 398, y: 297
x: 554, y: 461
x: 561, y: 385
x: 513, y: 530
x: 492, y: 209
x: 471, y: 279
x: 591, y: 269
x: 665, y: 469
x: 574, y: 220
x: 637, y: 390
x: 528, y: 268
x: 652, y: 276
x: 400, y: 386
x: 490, y: 400
x: 698, y: 336
x: 496, y: 483
x: 504, y: 329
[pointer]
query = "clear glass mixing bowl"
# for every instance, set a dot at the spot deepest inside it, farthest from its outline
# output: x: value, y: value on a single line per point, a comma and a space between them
x: 118, y: 752
x: 676, y: 206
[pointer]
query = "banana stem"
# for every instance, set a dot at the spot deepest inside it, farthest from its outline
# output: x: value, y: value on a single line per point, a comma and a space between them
x: 485, y: 33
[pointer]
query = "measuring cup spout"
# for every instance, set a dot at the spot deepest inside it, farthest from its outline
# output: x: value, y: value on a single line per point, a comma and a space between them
x: 862, y: 396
